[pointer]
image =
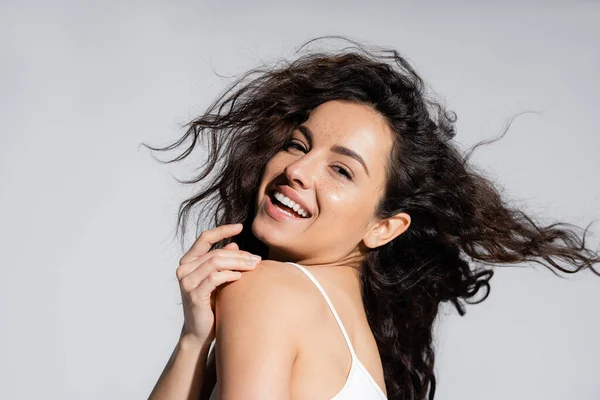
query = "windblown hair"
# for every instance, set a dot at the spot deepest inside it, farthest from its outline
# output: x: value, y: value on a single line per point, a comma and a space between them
x: 458, y: 216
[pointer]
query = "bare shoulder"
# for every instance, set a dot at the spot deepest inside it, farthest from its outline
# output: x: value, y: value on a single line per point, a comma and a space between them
x: 276, y: 289
x: 276, y: 276
x: 260, y: 320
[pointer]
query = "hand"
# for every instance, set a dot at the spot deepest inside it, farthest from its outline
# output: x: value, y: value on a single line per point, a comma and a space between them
x: 200, y: 271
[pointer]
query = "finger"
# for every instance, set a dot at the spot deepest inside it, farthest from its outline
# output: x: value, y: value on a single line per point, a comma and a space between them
x: 194, y: 278
x: 187, y: 268
x: 208, y: 285
x: 207, y: 238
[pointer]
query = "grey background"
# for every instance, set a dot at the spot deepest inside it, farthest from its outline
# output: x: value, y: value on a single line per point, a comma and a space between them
x: 88, y: 294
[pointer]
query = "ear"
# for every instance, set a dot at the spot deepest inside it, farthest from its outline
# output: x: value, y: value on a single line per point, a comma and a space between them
x: 386, y: 230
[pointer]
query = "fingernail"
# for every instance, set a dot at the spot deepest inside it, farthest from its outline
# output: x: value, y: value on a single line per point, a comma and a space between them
x: 255, y: 257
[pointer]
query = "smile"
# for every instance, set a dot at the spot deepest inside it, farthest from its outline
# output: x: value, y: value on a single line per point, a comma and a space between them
x: 280, y: 212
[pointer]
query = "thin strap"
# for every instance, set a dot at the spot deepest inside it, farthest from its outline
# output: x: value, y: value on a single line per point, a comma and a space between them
x: 335, y: 314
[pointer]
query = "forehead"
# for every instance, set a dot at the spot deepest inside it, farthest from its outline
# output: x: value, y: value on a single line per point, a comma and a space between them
x: 352, y: 125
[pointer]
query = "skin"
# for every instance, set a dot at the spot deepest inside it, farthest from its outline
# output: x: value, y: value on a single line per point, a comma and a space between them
x: 272, y: 352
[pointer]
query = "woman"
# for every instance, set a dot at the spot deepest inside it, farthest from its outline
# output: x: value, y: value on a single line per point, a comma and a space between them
x: 342, y: 175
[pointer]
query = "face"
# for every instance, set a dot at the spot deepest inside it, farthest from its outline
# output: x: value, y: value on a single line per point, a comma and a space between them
x: 333, y: 167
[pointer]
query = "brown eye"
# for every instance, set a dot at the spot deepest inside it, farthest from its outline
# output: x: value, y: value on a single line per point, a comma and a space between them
x: 344, y: 172
x: 295, y: 144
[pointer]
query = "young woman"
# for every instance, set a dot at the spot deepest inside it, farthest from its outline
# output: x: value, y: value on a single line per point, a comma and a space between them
x: 339, y: 172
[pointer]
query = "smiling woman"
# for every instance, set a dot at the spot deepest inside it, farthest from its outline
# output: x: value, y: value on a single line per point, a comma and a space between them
x: 343, y: 175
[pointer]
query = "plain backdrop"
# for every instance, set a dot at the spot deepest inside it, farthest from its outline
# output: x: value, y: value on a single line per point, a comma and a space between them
x: 89, y: 301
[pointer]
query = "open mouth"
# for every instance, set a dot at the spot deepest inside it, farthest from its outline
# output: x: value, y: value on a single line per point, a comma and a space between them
x: 284, y: 209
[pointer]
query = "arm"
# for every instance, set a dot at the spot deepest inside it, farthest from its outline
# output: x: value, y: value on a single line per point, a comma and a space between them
x: 182, y: 376
x: 257, y: 330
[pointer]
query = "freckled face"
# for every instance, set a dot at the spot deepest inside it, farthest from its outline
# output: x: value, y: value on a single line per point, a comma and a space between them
x: 335, y: 187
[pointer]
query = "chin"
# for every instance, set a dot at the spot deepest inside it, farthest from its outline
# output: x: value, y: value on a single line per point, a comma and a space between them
x: 268, y: 232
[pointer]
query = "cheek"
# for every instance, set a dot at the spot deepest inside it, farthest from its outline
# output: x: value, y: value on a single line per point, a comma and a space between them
x: 347, y: 204
x: 268, y: 175
x: 273, y: 167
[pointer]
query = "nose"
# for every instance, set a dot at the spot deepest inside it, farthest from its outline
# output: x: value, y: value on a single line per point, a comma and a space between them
x: 301, y: 172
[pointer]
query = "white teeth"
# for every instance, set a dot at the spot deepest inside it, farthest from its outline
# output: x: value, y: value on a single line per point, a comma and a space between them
x: 290, y: 203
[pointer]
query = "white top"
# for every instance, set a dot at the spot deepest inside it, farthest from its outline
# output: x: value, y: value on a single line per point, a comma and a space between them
x: 359, y: 383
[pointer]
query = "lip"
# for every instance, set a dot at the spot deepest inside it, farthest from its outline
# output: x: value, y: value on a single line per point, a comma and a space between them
x: 275, y: 212
x: 286, y: 190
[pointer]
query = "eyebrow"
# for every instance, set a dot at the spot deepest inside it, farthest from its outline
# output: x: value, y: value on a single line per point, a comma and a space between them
x: 336, y: 148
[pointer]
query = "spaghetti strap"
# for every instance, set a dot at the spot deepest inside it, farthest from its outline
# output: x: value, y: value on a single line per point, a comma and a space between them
x: 331, y: 307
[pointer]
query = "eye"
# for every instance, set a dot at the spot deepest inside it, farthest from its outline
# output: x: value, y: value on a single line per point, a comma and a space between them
x: 298, y: 145
x: 295, y: 144
x: 342, y: 171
